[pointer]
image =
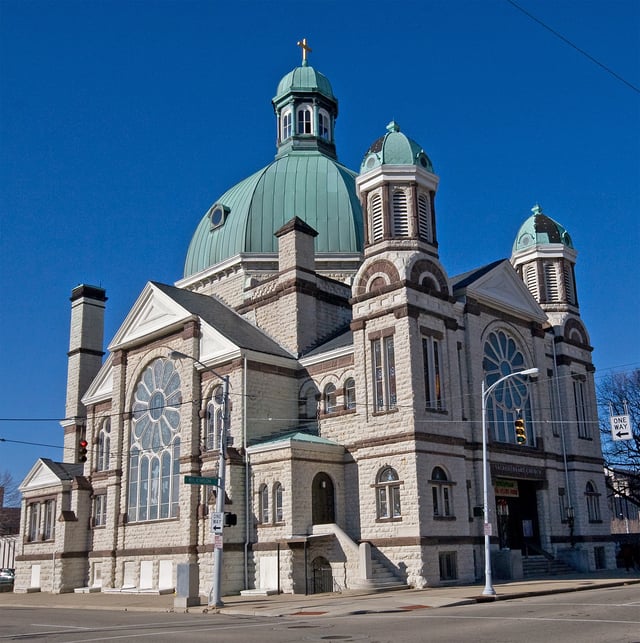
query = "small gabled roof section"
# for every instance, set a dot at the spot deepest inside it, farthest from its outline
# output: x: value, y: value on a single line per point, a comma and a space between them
x: 289, y: 438
x: 161, y: 307
x: 498, y: 285
x: 47, y: 473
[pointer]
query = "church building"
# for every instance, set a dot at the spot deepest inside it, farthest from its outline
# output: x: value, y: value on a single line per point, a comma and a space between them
x: 319, y: 365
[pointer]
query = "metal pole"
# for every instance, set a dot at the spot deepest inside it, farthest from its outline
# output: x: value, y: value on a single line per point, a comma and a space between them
x: 215, y: 596
x: 488, y: 586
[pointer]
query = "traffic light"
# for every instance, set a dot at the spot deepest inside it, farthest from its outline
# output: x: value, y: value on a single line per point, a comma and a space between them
x: 82, y: 450
x: 521, y: 433
x: 230, y: 520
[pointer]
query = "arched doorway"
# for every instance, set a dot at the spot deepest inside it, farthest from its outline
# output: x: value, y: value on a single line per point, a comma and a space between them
x: 322, y: 500
x: 322, y: 576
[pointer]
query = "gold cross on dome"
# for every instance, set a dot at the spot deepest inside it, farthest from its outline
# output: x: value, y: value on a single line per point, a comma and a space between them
x: 305, y: 48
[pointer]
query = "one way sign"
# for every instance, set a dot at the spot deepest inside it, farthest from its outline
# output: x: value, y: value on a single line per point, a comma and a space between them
x: 621, y: 427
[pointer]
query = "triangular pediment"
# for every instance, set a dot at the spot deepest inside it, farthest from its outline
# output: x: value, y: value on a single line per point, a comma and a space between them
x: 502, y: 288
x: 102, y: 386
x: 40, y: 476
x: 153, y: 312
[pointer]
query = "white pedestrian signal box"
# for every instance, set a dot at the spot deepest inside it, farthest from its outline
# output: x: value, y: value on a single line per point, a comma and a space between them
x: 217, y: 522
x: 621, y: 427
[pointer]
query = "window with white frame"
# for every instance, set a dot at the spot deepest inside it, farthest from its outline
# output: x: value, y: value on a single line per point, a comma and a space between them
x: 278, y: 515
x: 100, y: 510
x: 104, y: 446
x: 286, y: 130
x: 324, y: 125
x: 305, y: 114
x: 263, y: 508
x: 48, y: 519
x: 34, y: 522
x: 388, y: 494
x: 441, y: 493
x: 215, y: 415
x: 580, y: 402
x: 330, y: 399
x: 592, y: 498
x: 350, y: 394
x: 384, y: 373
x: 431, y: 354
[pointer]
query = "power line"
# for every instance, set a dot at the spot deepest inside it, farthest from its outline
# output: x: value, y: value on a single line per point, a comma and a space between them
x: 571, y: 44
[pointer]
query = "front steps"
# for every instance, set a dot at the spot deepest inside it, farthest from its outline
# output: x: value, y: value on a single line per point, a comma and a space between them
x: 533, y: 566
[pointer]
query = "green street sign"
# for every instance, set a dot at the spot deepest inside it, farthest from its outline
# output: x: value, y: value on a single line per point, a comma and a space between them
x: 199, y: 480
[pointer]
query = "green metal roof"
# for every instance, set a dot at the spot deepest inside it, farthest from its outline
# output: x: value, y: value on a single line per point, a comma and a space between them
x: 304, y: 79
x: 539, y: 229
x: 394, y: 148
x: 309, y: 185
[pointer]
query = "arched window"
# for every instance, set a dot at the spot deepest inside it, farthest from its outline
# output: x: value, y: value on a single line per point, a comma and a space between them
x: 350, y: 394
x: 400, y: 214
x: 104, y: 446
x: 304, y: 120
x: 215, y: 415
x: 264, y: 504
x: 441, y: 492
x: 592, y: 498
x: 324, y: 125
x: 286, y: 128
x: 330, y: 403
x: 388, y: 494
x: 154, y: 455
x: 278, y: 515
x: 511, y: 397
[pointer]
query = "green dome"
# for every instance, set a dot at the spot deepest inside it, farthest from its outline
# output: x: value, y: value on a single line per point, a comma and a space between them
x: 394, y: 148
x: 539, y: 229
x: 304, y: 79
x: 309, y: 185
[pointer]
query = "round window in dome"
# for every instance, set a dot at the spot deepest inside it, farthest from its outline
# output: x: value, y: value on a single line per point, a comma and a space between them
x: 371, y: 161
x: 526, y: 239
x: 217, y: 214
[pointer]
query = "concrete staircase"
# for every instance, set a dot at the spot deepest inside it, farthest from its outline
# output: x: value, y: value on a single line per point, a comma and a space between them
x: 382, y: 579
x: 542, y: 566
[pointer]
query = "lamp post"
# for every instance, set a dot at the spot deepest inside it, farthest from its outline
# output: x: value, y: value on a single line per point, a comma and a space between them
x: 215, y: 599
x: 488, y: 586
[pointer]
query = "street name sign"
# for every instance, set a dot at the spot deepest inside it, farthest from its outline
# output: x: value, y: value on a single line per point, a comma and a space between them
x: 621, y: 427
x: 200, y: 480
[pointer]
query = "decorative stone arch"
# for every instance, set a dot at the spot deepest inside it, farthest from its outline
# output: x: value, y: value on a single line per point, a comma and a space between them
x: 576, y: 333
x: 427, y: 274
x: 378, y: 274
x: 322, y: 499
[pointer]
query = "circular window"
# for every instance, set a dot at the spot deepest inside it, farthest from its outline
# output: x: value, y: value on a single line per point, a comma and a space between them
x: 371, y: 161
x: 156, y: 406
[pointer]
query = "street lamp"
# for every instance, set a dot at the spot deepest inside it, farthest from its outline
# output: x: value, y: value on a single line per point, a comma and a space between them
x: 215, y: 599
x: 488, y: 587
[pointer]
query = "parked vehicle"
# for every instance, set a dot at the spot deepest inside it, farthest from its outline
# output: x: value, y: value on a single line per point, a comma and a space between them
x: 7, y: 578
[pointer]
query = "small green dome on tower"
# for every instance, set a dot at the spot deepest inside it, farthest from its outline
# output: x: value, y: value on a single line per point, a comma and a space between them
x: 395, y: 148
x: 304, y: 79
x: 539, y: 229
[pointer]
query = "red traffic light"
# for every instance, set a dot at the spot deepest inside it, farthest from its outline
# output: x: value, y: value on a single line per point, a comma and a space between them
x: 82, y: 450
x: 83, y: 444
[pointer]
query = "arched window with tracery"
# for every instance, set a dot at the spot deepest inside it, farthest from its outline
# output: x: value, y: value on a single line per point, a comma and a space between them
x: 263, y: 496
x: 502, y: 356
x: 286, y: 128
x: 154, y: 456
x: 215, y: 415
x: 330, y: 399
x: 350, y: 394
x: 305, y: 115
x: 441, y: 493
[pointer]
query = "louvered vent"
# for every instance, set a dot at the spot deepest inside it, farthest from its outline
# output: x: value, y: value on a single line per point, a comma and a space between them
x: 400, y: 214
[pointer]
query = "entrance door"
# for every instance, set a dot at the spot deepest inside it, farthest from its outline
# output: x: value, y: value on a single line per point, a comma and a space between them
x: 518, y: 516
x: 322, y: 500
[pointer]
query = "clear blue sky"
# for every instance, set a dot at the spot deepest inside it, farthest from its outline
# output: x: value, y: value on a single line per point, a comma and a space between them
x: 121, y: 122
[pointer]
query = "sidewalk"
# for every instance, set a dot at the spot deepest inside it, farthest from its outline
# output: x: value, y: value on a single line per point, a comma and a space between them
x: 350, y: 602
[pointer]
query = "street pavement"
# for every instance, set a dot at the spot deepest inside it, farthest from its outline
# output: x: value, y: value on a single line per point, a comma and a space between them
x: 345, y: 603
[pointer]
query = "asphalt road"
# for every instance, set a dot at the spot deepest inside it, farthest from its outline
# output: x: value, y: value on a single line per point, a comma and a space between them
x: 611, y: 615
